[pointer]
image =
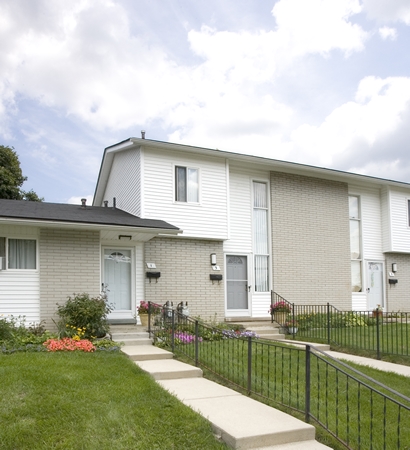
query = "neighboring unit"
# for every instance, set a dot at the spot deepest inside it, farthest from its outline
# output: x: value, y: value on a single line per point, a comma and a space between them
x: 312, y: 235
x: 50, y: 251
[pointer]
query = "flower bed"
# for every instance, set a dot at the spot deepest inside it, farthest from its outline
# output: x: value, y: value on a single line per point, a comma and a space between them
x: 69, y: 345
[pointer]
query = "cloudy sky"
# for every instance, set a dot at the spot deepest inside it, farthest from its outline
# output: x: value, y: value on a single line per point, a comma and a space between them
x: 320, y: 82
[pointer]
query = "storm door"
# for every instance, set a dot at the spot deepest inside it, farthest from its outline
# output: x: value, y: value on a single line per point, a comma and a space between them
x: 237, y: 287
x: 117, y: 279
x: 374, y: 285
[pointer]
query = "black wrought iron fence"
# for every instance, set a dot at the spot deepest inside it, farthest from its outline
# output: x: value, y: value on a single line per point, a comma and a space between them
x: 357, y: 411
x: 372, y: 331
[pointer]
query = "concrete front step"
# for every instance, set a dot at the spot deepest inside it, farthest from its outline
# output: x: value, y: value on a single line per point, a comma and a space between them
x: 130, y: 334
x: 169, y: 369
x: 146, y: 352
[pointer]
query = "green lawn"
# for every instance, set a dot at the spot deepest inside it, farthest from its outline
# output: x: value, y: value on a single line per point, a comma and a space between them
x: 351, y: 410
x: 87, y: 401
x: 392, y: 337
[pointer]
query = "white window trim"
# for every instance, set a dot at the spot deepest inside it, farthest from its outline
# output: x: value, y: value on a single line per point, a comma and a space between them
x: 175, y: 165
x: 361, y: 259
x: 22, y: 238
x: 269, y: 230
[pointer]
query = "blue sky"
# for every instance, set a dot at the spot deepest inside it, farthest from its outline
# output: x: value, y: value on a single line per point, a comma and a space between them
x: 320, y: 82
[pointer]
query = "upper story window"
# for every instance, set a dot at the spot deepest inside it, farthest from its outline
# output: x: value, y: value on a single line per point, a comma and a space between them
x: 355, y: 243
x: 261, y: 236
x: 21, y: 254
x: 408, y: 213
x: 186, y: 184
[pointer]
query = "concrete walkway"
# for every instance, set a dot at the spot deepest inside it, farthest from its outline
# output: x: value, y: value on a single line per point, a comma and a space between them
x: 241, y: 422
x: 374, y: 363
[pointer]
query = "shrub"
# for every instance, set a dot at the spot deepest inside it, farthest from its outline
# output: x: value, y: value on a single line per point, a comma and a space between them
x: 85, y: 313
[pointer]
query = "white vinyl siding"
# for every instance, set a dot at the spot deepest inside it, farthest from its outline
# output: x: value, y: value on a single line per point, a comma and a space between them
x: 400, y: 229
x: 240, y: 195
x: 385, y: 219
x: 371, y: 222
x: 20, y: 289
x: 371, y: 236
x: 242, y: 227
x: 125, y: 182
x: 206, y: 219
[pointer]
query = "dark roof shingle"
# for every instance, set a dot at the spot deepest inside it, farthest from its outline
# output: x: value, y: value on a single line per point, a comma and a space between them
x: 59, y: 212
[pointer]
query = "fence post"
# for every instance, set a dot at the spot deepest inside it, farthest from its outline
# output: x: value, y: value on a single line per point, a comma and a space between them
x: 249, y: 364
x: 293, y: 320
x: 196, y: 343
x: 328, y: 323
x: 307, y: 385
x: 173, y: 330
x: 149, y: 318
x: 378, y: 336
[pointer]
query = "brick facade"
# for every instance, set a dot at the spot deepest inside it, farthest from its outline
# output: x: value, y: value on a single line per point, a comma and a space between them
x: 70, y: 263
x: 310, y: 240
x: 185, y: 268
x: 397, y: 295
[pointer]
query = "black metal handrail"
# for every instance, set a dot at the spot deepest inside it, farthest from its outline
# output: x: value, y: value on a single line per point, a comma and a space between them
x: 356, y: 410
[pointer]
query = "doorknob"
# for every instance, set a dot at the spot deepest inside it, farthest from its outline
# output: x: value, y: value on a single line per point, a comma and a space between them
x: 249, y: 288
x: 368, y: 290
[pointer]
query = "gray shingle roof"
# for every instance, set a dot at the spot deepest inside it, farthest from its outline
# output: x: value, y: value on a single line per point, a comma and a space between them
x: 59, y: 212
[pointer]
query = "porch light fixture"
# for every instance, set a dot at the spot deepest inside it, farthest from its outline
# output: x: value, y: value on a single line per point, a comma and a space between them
x: 394, y: 267
x: 213, y: 259
x: 124, y: 237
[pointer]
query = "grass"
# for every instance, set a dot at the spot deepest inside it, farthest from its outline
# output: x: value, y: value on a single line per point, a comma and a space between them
x: 356, y: 412
x: 359, y: 332
x: 87, y: 401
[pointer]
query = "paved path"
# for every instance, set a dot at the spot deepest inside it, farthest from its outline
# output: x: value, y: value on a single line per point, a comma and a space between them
x: 241, y: 422
x: 374, y: 363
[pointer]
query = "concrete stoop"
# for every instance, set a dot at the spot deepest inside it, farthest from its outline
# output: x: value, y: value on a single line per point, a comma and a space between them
x: 130, y: 334
x: 241, y: 422
x: 264, y: 329
x: 271, y: 331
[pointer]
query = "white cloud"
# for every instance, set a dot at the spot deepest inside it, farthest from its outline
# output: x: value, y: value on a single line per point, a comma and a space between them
x: 354, y: 130
x: 388, y: 33
x: 82, y: 58
x: 388, y: 10
x: 318, y: 26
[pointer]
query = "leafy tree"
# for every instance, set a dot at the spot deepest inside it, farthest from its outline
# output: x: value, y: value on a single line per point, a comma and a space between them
x: 11, y: 177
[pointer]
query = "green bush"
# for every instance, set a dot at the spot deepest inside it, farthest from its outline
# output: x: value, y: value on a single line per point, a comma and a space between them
x: 86, y: 313
x: 15, y: 336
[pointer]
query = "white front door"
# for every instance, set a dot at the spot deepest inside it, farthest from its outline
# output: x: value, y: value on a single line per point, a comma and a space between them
x: 374, y: 284
x: 237, y: 288
x: 117, y: 280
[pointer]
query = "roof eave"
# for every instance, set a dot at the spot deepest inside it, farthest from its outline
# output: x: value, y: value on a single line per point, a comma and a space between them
x: 89, y: 226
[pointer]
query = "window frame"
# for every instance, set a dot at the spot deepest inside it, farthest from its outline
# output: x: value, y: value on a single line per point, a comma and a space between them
x: 186, y: 187
x: 256, y: 254
x: 359, y: 260
x: 6, y: 255
x: 408, y: 212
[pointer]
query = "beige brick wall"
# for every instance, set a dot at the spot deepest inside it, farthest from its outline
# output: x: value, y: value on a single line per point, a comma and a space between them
x: 398, y: 295
x: 70, y: 263
x: 310, y: 240
x: 185, y: 268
